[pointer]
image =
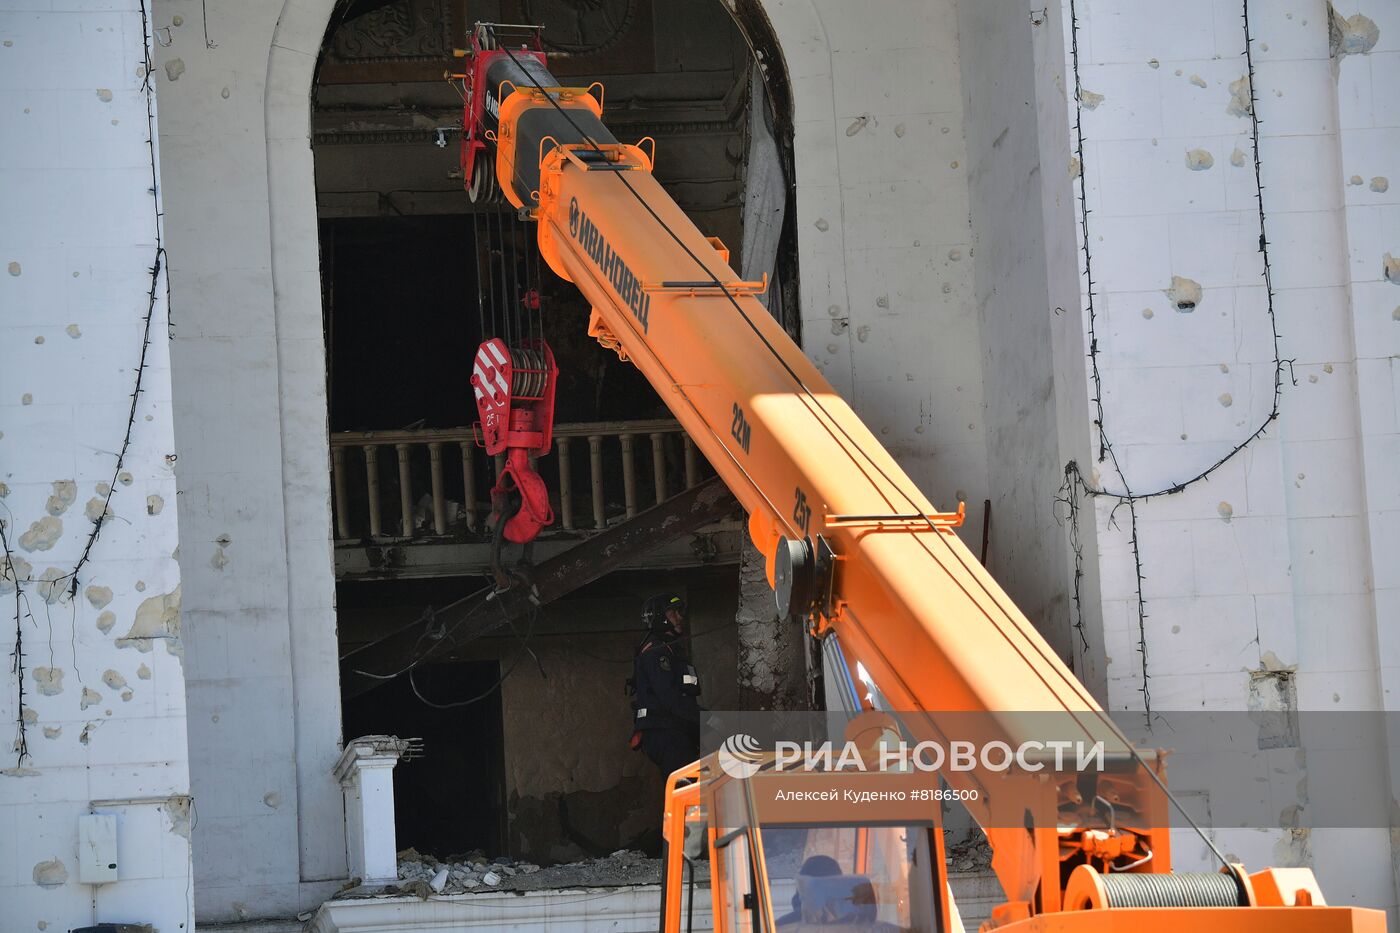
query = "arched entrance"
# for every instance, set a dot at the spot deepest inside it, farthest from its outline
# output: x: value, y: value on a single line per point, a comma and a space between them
x: 256, y: 521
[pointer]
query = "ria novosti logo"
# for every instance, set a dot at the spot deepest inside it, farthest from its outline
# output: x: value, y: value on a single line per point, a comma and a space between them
x: 741, y: 756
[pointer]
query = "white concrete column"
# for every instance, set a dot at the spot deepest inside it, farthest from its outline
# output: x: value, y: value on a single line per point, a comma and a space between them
x: 366, y: 775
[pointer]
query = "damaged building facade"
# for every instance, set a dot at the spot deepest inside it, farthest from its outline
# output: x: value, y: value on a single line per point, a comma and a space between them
x: 1122, y: 278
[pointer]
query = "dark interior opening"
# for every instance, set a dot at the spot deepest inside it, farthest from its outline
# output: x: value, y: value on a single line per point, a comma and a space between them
x: 400, y: 263
x: 402, y: 328
x: 452, y: 799
x: 399, y: 340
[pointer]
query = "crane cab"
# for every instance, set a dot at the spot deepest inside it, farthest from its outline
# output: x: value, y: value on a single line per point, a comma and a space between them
x: 782, y: 860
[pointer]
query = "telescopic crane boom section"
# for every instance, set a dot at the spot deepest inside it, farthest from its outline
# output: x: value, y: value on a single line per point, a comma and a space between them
x: 852, y: 545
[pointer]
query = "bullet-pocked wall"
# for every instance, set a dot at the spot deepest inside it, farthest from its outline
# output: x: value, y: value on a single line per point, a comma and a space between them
x: 93, y: 691
x: 1270, y: 584
x: 946, y: 290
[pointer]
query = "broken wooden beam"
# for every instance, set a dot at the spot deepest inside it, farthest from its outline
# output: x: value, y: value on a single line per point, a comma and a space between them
x: 480, y: 613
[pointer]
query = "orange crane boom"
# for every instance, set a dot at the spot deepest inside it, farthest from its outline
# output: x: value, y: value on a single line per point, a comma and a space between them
x: 852, y: 544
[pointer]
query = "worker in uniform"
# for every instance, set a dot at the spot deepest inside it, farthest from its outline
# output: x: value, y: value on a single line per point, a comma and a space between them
x: 665, y: 688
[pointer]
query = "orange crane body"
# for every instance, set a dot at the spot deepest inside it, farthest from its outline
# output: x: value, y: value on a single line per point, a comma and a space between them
x: 851, y: 541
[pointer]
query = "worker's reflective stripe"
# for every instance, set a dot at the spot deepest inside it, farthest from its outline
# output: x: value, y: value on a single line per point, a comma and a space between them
x: 689, y: 679
x: 641, y: 712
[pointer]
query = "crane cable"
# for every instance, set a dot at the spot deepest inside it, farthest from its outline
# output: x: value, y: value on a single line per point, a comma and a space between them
x: 816, y: 402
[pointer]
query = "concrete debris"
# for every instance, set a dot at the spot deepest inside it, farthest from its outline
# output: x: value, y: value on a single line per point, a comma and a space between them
x: 425, y: 876
x: 440, y: 881
x: 971, y: 853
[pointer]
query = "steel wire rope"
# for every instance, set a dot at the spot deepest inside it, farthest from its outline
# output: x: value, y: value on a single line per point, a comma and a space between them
x: 511, y: 262
x: 503, y: 293
x: 477, y: 242
x: 1100, y: 714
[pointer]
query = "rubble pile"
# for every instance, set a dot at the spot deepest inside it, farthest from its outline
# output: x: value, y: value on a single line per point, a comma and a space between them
x: 971, y: 853
x: 425, y: 876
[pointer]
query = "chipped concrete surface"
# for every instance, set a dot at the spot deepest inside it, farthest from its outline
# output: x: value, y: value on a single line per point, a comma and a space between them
x: 15, y: 567
x: 157, y: 619
x: 54, y: 585
x: 1241, y: 104
x: 42, y: 534
x: 65, y: 491
x: 98, y: 596
x: 1351, y: 35
x: 48, y: 680
x: 96, y: 508
x: 1198, y: 160
x: 177, y: 813
x: 1184, y: 294
x: 51, y: 873
x: 1391, y: 269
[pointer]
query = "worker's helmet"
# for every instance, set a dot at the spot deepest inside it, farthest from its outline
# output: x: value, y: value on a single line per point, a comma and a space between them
x: 655, y: 608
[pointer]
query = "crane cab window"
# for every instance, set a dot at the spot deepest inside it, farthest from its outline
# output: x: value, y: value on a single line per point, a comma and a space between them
x: 873, y: 879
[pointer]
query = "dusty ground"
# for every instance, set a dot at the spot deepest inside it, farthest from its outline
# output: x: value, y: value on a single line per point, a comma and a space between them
x: 425, y: 876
